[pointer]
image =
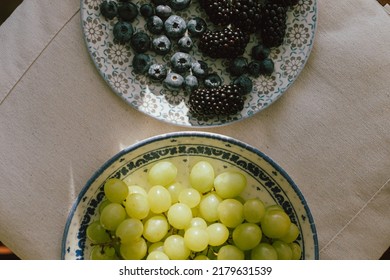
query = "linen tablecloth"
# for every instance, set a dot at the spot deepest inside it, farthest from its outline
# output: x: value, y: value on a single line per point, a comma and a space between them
x: 60, y: 121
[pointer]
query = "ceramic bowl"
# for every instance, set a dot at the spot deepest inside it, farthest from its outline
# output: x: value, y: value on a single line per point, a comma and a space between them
x: 266, y: 180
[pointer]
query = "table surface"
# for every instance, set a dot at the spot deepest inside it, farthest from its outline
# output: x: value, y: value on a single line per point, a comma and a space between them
x: 330, y: 131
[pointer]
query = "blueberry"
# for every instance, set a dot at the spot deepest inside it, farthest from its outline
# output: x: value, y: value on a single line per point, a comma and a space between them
x: 161, y: 45
x: 109, y: 9
x: 173, y: 81
x: 245, y: 83
x: 260, y: 52
x: 179, y: 5
x: 157, y: 72
x: 147, y: 10
x: 267, y: 66
x: 196, y: 26
x: 122, y: 32
x: 163, y: 11
x: 191, y: 83
x: 200, y: 69
x: 212, y: 80
x: 141, y: 63
x: 155, y: 25
x: 185, y: 44
x: 140, y: 42
x: 127, y: 11
x: 175, y: 26
x: 254, y: 68
x: 238, y: 66
x: 181, y: 62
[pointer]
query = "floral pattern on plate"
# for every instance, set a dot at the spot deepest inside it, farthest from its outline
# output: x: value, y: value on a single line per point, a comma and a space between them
x: 114, y: 64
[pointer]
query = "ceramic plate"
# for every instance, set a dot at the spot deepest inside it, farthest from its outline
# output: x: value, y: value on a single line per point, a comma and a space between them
x: 266, y: 180
x: 114, y: 64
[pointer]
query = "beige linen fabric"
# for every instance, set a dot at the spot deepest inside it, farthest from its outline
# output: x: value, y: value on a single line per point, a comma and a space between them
x: 330, y: 131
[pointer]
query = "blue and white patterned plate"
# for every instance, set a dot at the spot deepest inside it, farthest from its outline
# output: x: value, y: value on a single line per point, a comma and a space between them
x: 266, y: 180
x: 114, y: 64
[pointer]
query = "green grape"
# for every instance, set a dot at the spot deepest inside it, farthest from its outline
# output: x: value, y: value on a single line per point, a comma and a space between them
x: 202, y: 176
x: 103, y: 253
x: 155, y: 228
x: 208, y: 207
x: 112, y: 215
x: 190, y: 196
x: 129, y: 230
x: 175, y: 190
x: 162, y: 173
x: 175, y: 248
x: 274, y: 207
x: 137, y: 206
x: 291, y: 234
x: 283, y: 249
x: 229, y: 184
x: 264, y: 251
x: 196, y: 239
x: 103, y: 204
x: 159, y: 199
x: 254, y: 210
x: 230, y: 212
x: 115, y: 190
x: 201, y: 257
x: 97, y: 234
x: 179, y: 215
x: 218, y: 234
x: 157, y: 256
x: 197, y: 222
x: 137, y: 189
x: 230, y: 252
x: 296, y: 251
x: 158, y: 246
x: 275, y: 223
x: 135, y: 250
x: 247, y: 236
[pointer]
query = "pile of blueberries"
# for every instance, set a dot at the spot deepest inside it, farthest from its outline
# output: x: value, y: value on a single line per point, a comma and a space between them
x: 165, y: 28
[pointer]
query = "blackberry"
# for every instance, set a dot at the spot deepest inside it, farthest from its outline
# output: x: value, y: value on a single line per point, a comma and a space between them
x: 227, y: 43
x: 273, y: 25
x: 224, y: 100
x: 244, y: 14
x: 219, y: 12
x: 284, y: 3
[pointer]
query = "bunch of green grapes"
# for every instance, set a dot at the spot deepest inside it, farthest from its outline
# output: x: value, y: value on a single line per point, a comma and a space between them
x: 205, y: 220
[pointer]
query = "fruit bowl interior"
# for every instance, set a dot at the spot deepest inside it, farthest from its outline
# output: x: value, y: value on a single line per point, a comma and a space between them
x: 265, y: 180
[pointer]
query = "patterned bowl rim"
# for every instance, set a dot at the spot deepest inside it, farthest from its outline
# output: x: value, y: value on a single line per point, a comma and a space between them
x: 190, y: 134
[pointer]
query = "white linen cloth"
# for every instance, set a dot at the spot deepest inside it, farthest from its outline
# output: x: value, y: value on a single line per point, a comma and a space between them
x: 59, y: 122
